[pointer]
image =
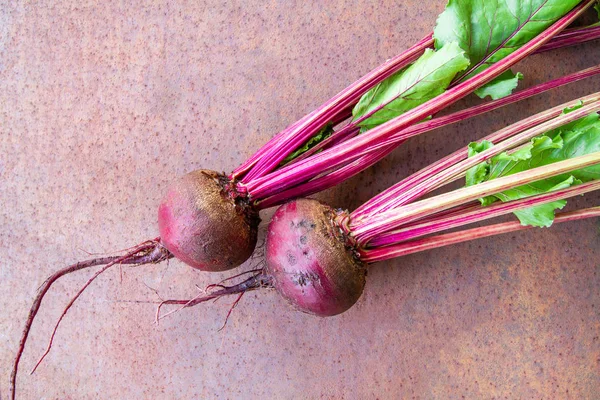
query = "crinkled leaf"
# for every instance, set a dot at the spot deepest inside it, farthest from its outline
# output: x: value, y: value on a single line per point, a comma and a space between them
x: 501, y: 86
x: 425, y: 79
x: 578, y: 143
x: 489, y: 30
x: 520, y: 154
x: 572, y: 140
x: 478, y: 173
x: 310, y: 143
x: 543, y: 215
x: 578, y: 125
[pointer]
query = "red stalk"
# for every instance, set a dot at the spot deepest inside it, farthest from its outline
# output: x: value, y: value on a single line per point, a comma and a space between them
x: 328, y: 180
x: 379, y: 151
x: 478, y: 214
x: 403, y: 249
x: 291, y: 139
x: 512, y: 136
x: 572, y: 38
x: 567, y: 38
x: 379, y: 202
x: 398, y: 217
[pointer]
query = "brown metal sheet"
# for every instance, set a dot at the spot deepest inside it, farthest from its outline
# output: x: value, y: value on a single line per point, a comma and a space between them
x: 103, y: 103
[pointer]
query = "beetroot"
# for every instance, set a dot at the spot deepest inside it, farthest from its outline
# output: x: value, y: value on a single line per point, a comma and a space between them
x: 309, y: 261
x: 205, y: 224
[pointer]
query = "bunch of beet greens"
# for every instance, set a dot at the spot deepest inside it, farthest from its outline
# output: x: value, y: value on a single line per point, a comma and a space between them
x: 316, y: 256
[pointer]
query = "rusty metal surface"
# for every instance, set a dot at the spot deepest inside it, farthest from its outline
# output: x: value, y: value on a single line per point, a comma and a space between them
x: 101, y: 105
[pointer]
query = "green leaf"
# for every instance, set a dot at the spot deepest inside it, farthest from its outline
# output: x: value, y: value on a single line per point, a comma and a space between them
x: 478, y: 173
x: 571, y: 140
x: 543, y: 215
x: 540, y: 216
x: 425, y: 79
x: 577, y: 125
x: 310, y: 143
x: 501, y: 86
x: 577, y: 106
x: 521, y: 154
x: 489, y: 30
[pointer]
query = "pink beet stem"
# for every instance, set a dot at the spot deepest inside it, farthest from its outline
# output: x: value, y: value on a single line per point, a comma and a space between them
x: 326, y: 181
x: 331, y: 158
x: 516, y: 134
x: 390, y: 197
x: 572, y: 38
x: 293, y: 138
x: 579, y: 35
x: 398, y: 217
x: 338, y: 136
x: 458, y: 116
x: 569, y: 37
x: 477, y: 214
x: 377, y: 152
x: 433, y: 242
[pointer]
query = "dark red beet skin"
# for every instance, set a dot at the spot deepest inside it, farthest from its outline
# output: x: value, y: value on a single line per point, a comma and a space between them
x: 309, y: 262
x: 204, y: 226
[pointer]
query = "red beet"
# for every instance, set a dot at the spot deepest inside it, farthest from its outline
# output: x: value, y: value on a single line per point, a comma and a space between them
x: 309, y: 260
x: 205, y: 223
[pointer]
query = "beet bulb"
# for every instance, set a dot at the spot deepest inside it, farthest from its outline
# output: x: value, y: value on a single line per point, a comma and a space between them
x: 311, y: 264
x: 205, y: 223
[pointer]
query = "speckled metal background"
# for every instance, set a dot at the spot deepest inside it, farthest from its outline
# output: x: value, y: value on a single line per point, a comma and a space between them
x: 103, y: 103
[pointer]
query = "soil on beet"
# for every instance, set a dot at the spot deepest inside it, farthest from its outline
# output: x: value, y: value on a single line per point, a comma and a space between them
x: 309, y: 261
x: 206, y: 225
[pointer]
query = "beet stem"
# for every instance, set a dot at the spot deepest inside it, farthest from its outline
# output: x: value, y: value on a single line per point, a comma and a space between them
x: 385, y: 199
x: 398, y: 217
x: 569, y: 37
x: 433, y: 242
x: 378, y: 151
x: 456, y: 165
x: 328, y: 111
x: 477, y: 214
x: 328, y: 180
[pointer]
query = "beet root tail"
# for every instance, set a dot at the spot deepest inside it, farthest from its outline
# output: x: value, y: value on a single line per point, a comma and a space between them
x: 256, y: 281
x: 149, y: 252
